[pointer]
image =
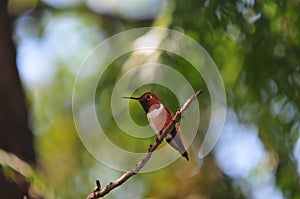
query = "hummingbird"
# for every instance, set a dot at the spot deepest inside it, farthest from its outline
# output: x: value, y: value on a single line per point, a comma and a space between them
x: 159, y: 117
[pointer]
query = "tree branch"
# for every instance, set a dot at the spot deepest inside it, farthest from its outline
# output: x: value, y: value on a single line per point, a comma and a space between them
x: 98, y: 192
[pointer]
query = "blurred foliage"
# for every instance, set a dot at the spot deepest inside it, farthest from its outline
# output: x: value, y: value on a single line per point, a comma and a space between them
x: 258, y: 62
x: 256, y: 46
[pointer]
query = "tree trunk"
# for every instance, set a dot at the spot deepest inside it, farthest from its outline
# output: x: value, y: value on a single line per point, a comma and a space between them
x: 15, y: 134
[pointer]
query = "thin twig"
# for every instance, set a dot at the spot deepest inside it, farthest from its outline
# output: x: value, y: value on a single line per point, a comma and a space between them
x: 98, y: 192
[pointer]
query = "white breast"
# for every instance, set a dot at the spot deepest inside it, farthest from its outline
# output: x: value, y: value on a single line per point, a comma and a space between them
x: 157, y: 118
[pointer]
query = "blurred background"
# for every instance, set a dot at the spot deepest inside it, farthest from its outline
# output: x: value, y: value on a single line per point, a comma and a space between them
x: 256, y: 46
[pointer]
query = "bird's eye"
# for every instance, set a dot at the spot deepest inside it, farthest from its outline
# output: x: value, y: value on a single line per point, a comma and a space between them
x: 148, y: 97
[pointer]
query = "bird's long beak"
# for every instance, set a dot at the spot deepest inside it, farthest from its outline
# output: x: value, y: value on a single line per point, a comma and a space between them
x: 134, y: 98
